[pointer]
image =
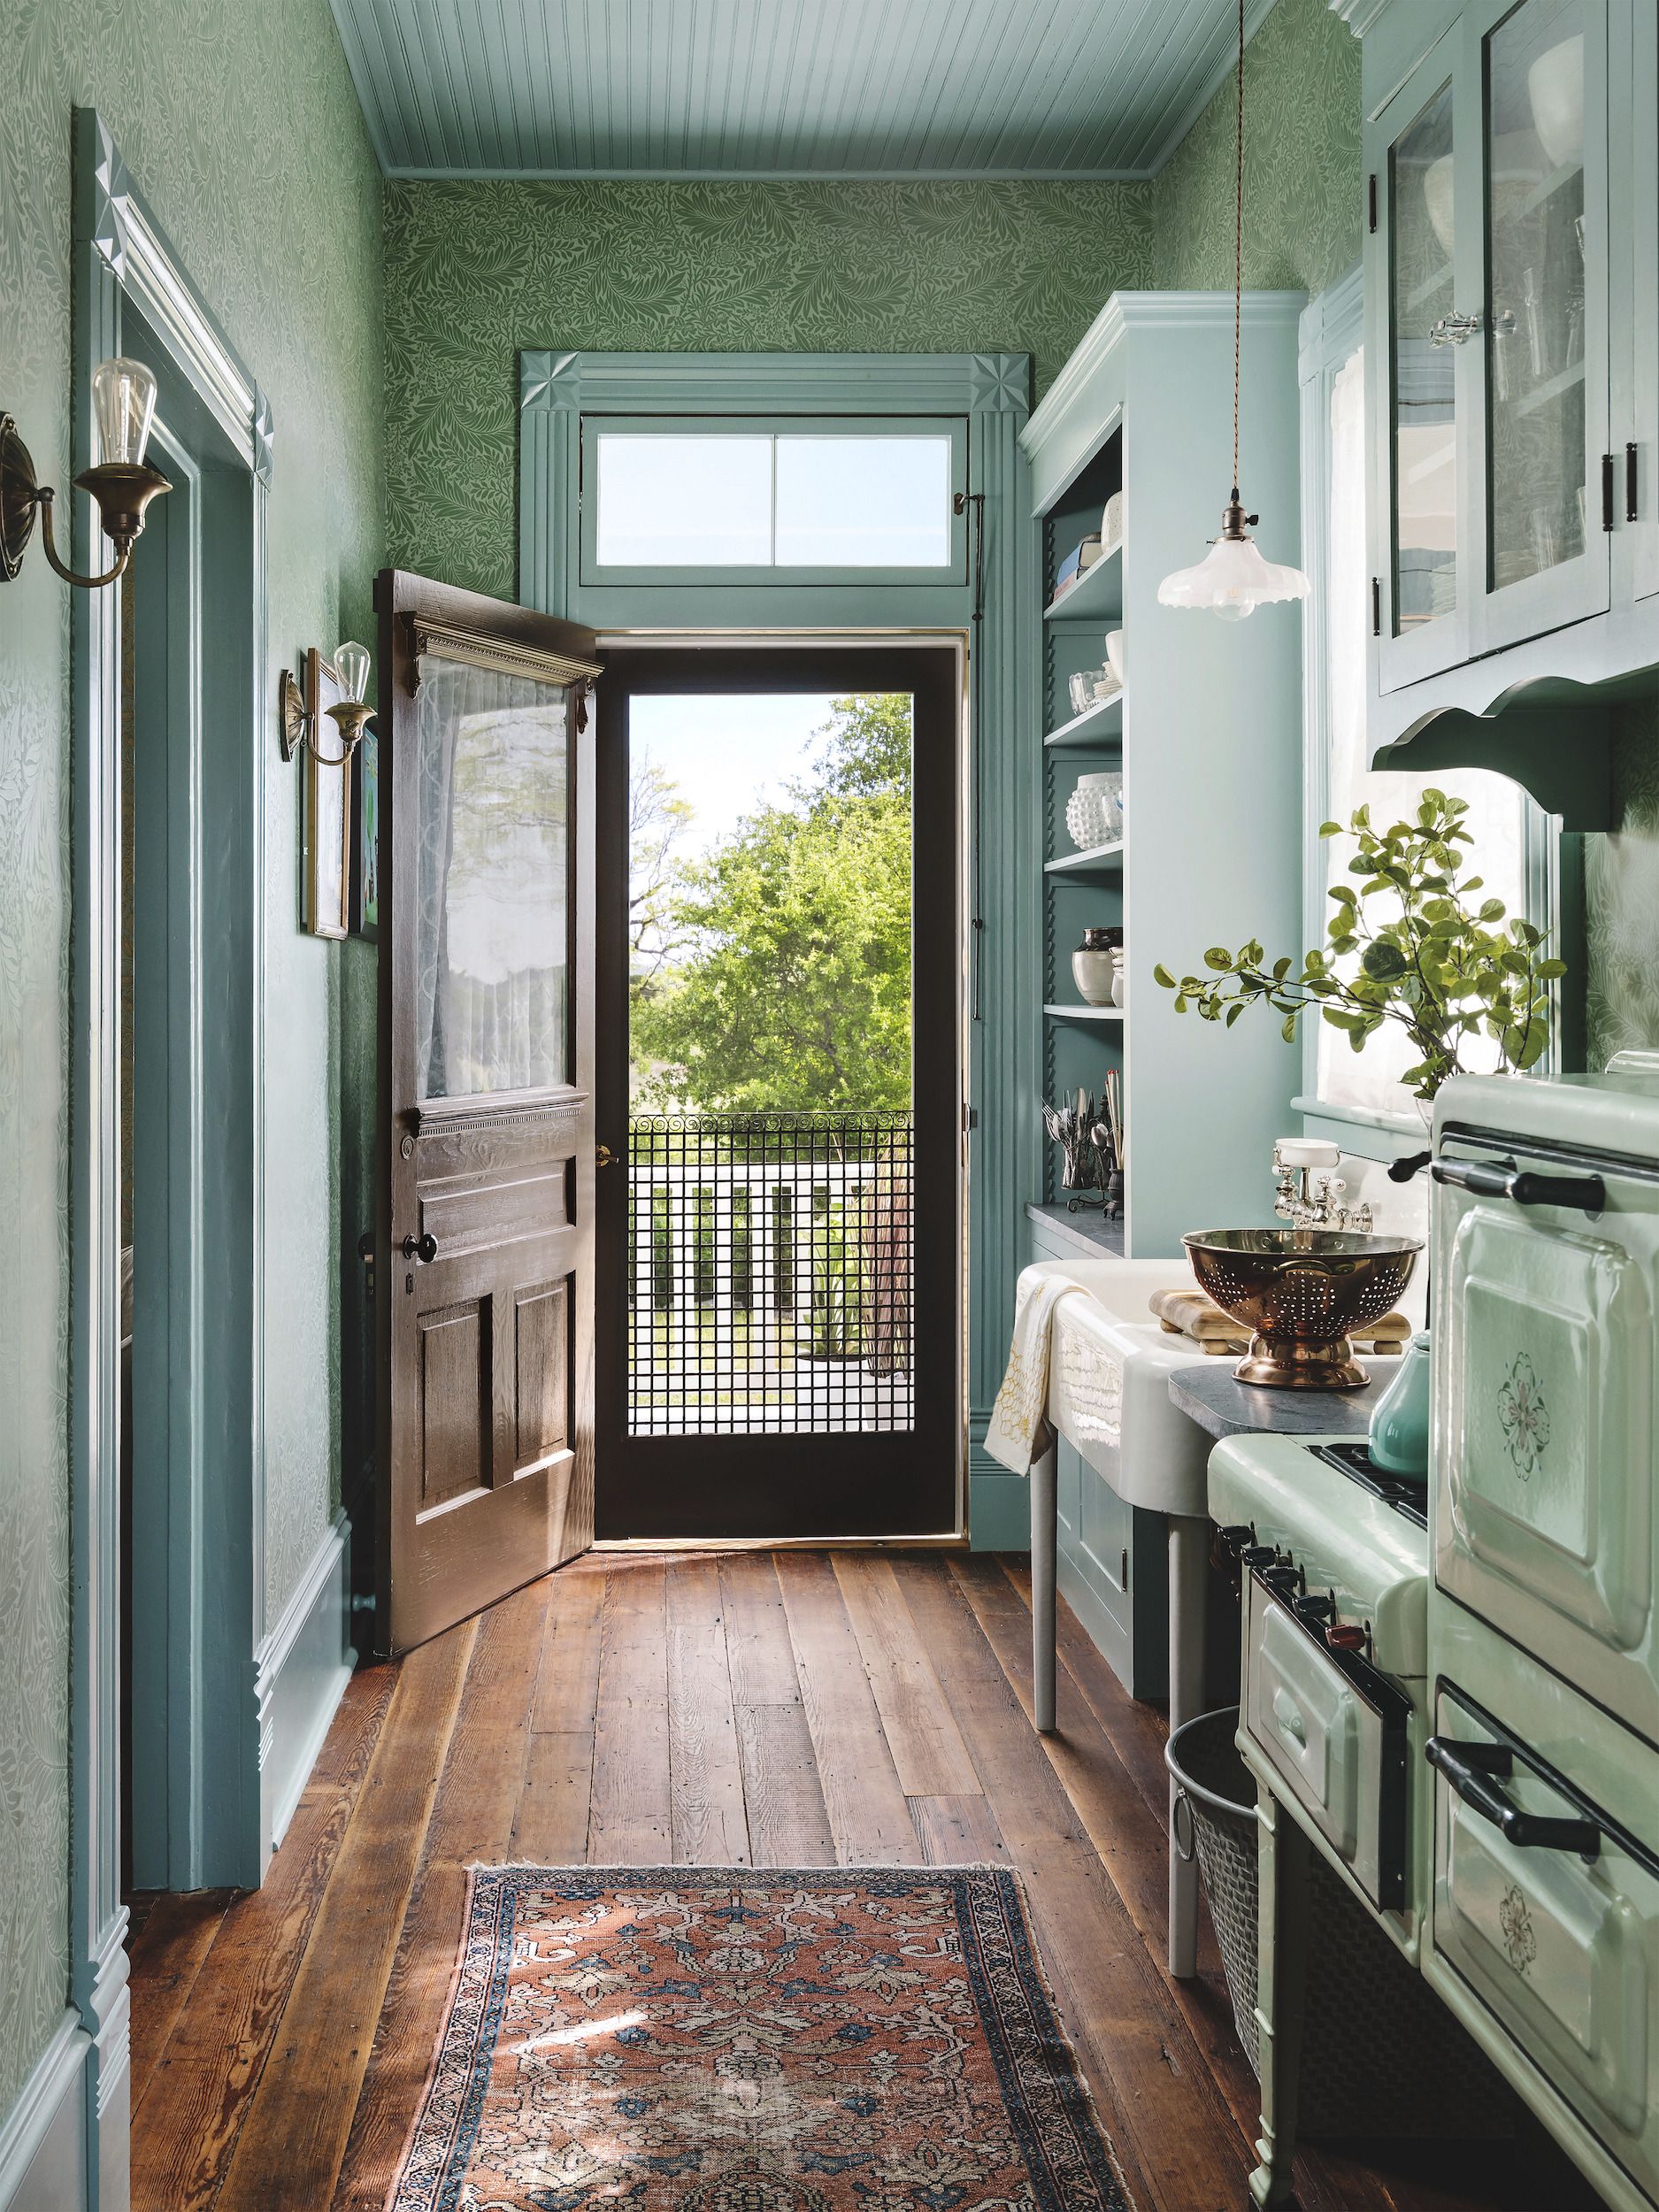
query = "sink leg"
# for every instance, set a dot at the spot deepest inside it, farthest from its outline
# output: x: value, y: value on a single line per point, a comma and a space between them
x: 1189, y: 1554
x: 1044, y: 1518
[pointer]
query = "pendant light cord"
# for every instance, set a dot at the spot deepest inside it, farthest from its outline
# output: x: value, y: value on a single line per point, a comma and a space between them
x: 1237, y: 257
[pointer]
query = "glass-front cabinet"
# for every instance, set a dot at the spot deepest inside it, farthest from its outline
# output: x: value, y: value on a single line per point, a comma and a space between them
x: 1492, y: 488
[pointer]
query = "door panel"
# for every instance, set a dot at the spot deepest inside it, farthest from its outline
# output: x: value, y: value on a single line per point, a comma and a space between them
x: 485, y: 1242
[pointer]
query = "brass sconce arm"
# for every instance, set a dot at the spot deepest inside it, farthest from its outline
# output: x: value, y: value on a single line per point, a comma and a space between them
x: 122, y: 490
x: 350, y: 717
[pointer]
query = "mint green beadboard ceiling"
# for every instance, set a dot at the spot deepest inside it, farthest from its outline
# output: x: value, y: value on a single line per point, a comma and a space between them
x: 773, y: 89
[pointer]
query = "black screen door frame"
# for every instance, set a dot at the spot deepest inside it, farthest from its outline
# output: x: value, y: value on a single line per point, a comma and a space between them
x: 822, y: 1485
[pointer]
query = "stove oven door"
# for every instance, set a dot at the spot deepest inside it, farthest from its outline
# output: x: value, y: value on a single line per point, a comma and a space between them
x: 1545, y: 1907
x: 1543, y: 1451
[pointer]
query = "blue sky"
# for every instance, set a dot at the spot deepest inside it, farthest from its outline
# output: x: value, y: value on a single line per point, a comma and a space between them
x: 726, y: 753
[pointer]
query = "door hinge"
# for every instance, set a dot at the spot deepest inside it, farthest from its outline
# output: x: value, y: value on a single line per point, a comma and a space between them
x: 1607, y: 491
x: 1371, y: 194
x: 1375, y: 606
x: 1630, y: 482
x: 970, y: 1118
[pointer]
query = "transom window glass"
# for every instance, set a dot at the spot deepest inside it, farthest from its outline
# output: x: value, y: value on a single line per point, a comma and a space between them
x: 770, y: 499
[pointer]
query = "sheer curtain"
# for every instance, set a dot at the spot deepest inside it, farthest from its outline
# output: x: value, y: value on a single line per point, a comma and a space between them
x: 1497, y: 818
x: 492, y: 917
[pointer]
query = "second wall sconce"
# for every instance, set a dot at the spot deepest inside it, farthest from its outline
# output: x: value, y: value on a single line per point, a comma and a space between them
x: 350, y: 715
x: 123, y: 408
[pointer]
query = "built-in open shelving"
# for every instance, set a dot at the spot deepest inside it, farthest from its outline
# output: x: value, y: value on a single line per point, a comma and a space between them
x: 1084, y: 1013
x: 1101, y: 724
x: 1097, y: 860
x: 1097, y: 597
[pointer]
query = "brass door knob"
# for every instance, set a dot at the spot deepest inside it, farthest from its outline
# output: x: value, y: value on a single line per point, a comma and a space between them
x: 604, y: 1156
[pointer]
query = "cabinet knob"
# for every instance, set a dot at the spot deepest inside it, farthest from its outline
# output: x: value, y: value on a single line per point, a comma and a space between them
x: 1455, y: 329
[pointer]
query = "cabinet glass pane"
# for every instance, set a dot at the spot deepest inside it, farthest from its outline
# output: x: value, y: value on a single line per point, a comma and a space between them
x: 1535, y: 389
x: 1424, y: 369
x: 863, y: 502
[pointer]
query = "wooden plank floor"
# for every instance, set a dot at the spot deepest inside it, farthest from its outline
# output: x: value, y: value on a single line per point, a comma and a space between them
x: 790, y: 1708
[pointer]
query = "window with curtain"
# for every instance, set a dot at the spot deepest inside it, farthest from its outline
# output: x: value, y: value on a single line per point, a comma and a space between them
x: 1501, y: 820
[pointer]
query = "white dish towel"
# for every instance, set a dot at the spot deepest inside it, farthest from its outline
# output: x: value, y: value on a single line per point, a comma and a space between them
x: 1019, y: 1431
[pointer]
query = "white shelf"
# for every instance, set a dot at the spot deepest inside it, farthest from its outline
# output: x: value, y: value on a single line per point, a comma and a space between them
x: 1099, y: 859
x: 1105, y: 718
x: 1099, y: 597
x: 1084, y: 1013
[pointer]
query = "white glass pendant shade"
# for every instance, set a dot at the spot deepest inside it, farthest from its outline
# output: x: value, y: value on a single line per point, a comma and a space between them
x: 1232, y: 581
x: 351, y: 665
x: 123, y: 408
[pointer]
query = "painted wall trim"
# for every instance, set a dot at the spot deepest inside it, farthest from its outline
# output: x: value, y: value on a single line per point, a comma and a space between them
x: 44, y: 2139
x: 121, y: 260
x: 1004, y: 770
x: 301, y: 1671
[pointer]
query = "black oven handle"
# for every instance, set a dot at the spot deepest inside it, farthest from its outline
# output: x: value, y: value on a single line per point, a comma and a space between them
x: 1585, y: 1193
x: 1477, y: 1772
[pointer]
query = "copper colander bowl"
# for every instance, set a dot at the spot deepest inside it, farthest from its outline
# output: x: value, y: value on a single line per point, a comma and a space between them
x: 1300, y: 1292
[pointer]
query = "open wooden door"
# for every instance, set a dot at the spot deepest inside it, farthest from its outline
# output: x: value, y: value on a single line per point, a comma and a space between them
x: 484, y: 1241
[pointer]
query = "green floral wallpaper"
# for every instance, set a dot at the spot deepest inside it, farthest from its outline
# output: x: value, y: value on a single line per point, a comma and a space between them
x: 238, y: 120
x: 475, y: 271
x: 1302, y: 172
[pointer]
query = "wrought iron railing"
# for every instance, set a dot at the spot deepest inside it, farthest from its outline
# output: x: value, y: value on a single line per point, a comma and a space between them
x: 769, y: 1274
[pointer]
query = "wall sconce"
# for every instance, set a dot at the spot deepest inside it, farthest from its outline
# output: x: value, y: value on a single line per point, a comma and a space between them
x: 350, y: 716
x: 123, y: 407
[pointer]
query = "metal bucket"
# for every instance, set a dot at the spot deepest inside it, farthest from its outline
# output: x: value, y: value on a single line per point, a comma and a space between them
x: 1381, y: 2056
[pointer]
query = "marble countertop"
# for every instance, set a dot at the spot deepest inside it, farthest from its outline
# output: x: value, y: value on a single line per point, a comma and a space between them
x: 1224, y: 1407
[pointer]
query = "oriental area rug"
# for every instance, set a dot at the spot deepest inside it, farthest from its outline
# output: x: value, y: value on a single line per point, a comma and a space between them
x: 750, y: 2039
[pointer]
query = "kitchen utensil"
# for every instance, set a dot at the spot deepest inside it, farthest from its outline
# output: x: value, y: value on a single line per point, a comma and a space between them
x: 1299, y: 1291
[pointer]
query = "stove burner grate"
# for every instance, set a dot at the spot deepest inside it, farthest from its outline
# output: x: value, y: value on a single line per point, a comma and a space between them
x: 1408, y: 1499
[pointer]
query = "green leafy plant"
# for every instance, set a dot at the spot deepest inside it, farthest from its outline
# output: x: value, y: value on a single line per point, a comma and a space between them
x: 1448, y: 970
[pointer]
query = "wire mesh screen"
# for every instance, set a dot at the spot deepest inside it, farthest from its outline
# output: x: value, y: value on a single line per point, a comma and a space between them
x: 770, y: 1278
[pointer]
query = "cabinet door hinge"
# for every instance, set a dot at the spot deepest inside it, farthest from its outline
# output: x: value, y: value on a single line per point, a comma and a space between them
x: 1607, y: 491
x: 1371, y: 194
x: 1375, y: 606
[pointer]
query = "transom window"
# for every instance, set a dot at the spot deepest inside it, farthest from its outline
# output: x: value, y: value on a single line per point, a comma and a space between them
x: 773, y: 503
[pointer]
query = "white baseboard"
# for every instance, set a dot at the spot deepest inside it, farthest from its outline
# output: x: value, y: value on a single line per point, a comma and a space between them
x: 44, y: 2138
x: 300, y: 1673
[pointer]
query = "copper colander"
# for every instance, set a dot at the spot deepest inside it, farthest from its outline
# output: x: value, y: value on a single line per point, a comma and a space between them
x: 1298, y: 1292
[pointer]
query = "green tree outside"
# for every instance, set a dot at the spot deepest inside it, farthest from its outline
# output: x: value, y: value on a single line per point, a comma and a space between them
x: 788, y: 986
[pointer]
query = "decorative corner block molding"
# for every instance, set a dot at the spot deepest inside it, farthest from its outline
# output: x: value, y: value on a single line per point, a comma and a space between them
x: 1000, y: 383
x: 549, y: 380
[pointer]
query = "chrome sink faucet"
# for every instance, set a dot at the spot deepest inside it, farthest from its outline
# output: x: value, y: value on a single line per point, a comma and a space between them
x: 1308, y: 1195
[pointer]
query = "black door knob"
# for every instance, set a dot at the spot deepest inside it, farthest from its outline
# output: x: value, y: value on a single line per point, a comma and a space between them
x: 422, y: 1247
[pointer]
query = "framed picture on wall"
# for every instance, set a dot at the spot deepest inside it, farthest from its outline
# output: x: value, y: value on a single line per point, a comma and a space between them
x: 327, y: 840
x: 365, y: 836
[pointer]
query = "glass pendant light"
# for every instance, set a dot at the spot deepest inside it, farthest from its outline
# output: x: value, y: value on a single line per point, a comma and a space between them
x: 1233, y: 580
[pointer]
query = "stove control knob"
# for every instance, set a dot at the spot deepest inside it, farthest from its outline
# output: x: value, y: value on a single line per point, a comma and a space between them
x: 1235, y: 1538
x: 1260, y: 1555
x: 1284, y: 1582
x: 1345, y: 1636
x: 1314, y: 1608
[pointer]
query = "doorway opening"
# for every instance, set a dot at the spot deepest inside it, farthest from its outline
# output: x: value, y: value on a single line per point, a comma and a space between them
x: 780, y: 1312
